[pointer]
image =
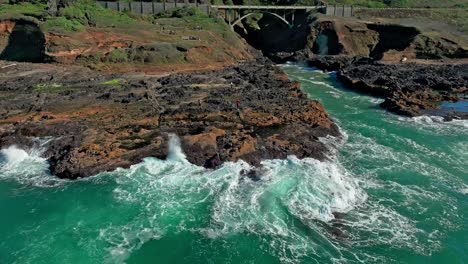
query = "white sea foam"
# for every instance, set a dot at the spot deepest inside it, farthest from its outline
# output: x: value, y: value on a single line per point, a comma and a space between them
x: 325, y: 84
x: 172, y: 192
x: 27, y: 166
x: 13, y: 156
x: 175, y: 152
x: 375, y: 100
x: 437, y: 123
x: 335, y: 94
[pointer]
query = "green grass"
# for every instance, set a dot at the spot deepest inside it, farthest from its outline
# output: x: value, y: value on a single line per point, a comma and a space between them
x: 22, y: 9
x: 82, y: 14
x: 199, y: 19
x: 88, y: 13
x: 458, y: 18
x: 113, y: 82
x: 62, y: 24
x: 48, y: 87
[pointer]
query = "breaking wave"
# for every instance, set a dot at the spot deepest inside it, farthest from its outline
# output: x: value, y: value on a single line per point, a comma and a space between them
x: 26, y: 166
x: 392, y: 185
x: 173, y: 192
x: 437, y: 123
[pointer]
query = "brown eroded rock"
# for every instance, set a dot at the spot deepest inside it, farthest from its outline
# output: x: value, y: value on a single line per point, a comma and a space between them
x: 97, y: 122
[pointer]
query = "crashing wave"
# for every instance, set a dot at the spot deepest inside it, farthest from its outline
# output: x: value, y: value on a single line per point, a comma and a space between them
x: 26, y: 166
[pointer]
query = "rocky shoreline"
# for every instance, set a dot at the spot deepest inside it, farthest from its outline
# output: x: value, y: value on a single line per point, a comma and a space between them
x: 99, y: 122
x: 409, y: 89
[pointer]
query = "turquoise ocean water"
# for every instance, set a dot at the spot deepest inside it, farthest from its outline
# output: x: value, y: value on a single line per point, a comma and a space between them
x: 395, y: 190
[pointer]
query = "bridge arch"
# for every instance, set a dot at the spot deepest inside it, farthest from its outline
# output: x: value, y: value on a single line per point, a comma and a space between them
x: 256, y: 12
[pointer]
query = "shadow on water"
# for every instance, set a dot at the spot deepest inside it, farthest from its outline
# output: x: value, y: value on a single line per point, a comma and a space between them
x: 26, y: 43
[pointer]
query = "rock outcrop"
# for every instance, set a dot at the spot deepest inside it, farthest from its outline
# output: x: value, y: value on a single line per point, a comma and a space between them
x: 142, y: 46
x: 409, y: 89
x: 99, y: 122
x: 380, y: 41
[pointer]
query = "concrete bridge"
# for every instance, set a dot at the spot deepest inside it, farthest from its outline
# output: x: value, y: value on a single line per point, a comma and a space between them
x: 234, y: 14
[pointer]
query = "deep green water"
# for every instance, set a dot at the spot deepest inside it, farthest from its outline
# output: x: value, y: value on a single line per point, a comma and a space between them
x: 401, y: 183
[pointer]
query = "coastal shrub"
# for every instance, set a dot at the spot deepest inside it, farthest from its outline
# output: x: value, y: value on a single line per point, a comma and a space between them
x: 89, y: 59
x: 117, y: 55
x: 156, y: 53
x: 74, y: 12
x: 181, y: 12
x: 62, y: 24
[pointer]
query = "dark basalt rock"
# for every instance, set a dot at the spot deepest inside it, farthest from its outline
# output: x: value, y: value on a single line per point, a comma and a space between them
x: 99, y: 122
x: 409, y: 89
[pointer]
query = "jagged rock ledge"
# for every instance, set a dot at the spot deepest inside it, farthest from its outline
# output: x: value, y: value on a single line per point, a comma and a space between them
x: 101, y: 121
x: 409, y: 89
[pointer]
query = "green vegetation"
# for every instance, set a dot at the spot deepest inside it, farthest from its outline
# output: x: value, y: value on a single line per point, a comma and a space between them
x: 113, y: 82
x: 48, y: 87
x: 180, y: 35
x: 22, y: 9
x: 118, y: 55
x: 62, y: 24
x: 458, y: 18
x: 181, y: 12
x: 77, y: 17
x: 198, y: 22
x: 88, y: 13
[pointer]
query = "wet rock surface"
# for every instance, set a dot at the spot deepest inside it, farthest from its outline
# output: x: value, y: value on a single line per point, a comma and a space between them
x: 97, y: 122
x: 410, y: 89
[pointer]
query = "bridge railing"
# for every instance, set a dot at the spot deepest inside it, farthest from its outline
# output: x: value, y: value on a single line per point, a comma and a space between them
x: 350, y: 11
x: 163, y: 5
x: 265, y: 7
x: 151, y: 7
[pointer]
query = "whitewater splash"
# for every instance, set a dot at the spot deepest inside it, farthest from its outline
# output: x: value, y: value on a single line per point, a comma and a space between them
x: 13, y: 156
x: 27, y: 166
x: 175, y: 152
x: 173, y: 192
x: 173, y: 196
